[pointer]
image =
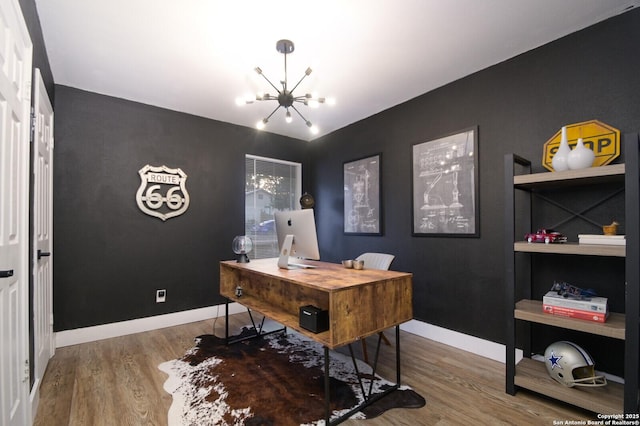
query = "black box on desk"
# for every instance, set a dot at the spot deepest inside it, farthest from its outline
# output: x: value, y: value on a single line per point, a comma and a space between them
x: 314, y: 319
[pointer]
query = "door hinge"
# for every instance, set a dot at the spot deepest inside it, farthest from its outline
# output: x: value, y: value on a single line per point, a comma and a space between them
x: 32, y: 131
x: 26, y: 371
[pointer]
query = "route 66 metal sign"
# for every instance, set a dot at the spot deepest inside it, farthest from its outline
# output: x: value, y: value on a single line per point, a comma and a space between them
x: 162, y: 192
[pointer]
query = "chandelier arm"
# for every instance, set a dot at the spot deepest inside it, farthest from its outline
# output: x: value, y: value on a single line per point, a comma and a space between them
x: 269, y: 81
x: 301, y: 116
x: 303, y: 77
x: 272, y: 112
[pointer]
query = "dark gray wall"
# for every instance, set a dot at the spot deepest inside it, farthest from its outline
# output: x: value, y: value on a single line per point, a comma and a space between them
x: 109, y: 256
x: 517, y: 105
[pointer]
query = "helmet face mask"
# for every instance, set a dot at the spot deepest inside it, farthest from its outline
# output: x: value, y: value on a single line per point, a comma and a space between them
x: 570, y: 365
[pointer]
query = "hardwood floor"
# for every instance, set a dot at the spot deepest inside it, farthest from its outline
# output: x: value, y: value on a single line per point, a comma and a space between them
x: 116, y: 382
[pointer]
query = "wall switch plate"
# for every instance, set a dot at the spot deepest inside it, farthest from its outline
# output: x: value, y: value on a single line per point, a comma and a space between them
x: 161, y: 296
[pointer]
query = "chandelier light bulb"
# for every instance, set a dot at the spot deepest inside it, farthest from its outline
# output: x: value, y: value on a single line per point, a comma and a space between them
x: 260, y: 124
x: 288, y: 117
x: 314, y: 130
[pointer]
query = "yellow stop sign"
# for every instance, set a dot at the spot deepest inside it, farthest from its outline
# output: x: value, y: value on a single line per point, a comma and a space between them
x: 601, y: 138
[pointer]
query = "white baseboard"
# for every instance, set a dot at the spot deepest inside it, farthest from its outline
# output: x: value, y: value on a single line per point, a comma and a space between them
x: 485, y: 348
x: 106, y: 331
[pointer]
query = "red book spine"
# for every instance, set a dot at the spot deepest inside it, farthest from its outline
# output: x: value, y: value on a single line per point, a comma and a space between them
x: 574, y: 313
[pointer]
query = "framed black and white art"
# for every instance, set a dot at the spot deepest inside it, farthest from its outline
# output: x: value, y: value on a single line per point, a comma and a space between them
x: 445, y: 186
x: 362, y: 196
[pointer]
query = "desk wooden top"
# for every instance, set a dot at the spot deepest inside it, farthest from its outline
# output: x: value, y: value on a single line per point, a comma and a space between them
x: 326, y: 276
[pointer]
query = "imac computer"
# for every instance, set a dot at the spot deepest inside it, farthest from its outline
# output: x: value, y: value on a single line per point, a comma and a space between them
x: 297, y: 238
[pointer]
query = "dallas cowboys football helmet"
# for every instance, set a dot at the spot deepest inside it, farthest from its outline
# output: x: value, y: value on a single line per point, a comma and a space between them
x: 571, y: 365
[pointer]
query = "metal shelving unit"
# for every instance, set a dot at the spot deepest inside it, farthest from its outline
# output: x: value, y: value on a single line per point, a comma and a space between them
x: 613, y: 398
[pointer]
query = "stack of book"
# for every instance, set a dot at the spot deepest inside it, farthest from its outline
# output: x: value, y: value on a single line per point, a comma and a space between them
x: 616, y: 240
x: 588, y: 308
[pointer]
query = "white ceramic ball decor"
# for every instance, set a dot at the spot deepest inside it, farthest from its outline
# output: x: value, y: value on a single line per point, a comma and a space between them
x: 580, y: 157
x: 559, y: 160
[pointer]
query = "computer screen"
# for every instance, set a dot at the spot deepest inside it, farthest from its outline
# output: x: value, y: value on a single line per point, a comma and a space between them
x: 296, y: 231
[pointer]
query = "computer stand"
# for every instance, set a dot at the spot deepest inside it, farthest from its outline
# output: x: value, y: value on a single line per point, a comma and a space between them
x: 285, y: 251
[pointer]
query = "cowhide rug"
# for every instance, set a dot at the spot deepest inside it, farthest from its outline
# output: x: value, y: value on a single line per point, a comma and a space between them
x: 274, y: 380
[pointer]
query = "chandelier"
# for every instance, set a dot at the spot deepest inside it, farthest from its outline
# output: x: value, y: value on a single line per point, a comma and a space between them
x: 285, y: 96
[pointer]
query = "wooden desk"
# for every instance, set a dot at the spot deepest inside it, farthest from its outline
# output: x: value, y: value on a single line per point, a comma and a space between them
x: 360, y: 302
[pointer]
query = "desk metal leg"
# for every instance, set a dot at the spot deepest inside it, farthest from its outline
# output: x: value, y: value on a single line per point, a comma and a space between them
x: 368, y: 399
x: 398, y: 355
x: 327, y: 395
x: 226, y: 321
x: 258, y: 330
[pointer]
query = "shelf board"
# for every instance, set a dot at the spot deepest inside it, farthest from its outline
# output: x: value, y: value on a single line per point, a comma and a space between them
x: 531, y: 310
x: 282, y: 317
x: 571, y: 248
x: 533, y: 375
x: 610, y: 173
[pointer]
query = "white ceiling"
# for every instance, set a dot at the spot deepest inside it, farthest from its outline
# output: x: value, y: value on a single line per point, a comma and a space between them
x: 198, y: 56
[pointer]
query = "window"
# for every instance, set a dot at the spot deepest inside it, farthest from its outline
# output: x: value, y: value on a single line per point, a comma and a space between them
x: 270, y: 185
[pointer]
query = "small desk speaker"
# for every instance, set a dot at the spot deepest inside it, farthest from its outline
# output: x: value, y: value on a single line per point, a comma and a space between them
x: 314, y: 319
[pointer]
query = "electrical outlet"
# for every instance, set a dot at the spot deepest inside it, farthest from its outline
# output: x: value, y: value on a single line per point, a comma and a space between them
x: 161, y: 296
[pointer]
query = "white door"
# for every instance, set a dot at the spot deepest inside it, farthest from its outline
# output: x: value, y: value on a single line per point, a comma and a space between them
x: 42, y: 233
x: 15, y: 103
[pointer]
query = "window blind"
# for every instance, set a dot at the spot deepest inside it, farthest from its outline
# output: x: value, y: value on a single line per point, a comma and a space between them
x: 271, y: 185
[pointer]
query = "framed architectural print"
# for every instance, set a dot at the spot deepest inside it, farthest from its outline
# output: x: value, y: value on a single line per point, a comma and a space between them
x: 445, y: 186
x: 362, y: 196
